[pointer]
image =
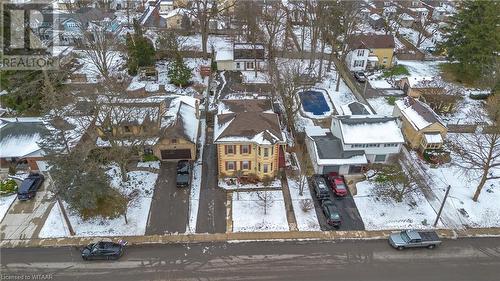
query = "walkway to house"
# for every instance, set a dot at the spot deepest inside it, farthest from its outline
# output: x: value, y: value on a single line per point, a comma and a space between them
x: 290, y: 215
x: 169, y: 209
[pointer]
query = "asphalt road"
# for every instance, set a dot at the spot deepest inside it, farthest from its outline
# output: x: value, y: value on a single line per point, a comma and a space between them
x: 169, y: 208
x: 465, y: 259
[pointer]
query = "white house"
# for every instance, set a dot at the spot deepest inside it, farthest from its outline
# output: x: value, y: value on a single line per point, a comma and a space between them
x: 367, y: 51
x: 243, y: 56
x: 352, y: 142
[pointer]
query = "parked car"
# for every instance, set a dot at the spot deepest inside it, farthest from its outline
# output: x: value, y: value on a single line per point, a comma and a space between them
x: 331, y: 213
x: 414, y: 239
x: 338, y: 185
x: 183, y: 173
x: 30, y: 186
x: 104, y: 250
x: 320, y: 188
x: 360, y: 76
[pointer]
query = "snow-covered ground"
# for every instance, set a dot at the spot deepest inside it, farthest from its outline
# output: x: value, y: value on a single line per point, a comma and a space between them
x: 227, y: 185
x: 194, y: 194
x: 193, y: 42
x: 484, y: 213
x: 137, y: 212
x: 379, y: 83
x: 5, y: 202
x: 339, y: 98
x: 248, y: 212
x: 115, y: 62
x: 379, y: 214
x: 381, y: 106
x: 306, y: 219
x: 149, y: 164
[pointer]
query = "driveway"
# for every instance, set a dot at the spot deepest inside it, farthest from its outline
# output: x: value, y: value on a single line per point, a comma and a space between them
x: 169, y: 209
x: 351, y: 220
x: 212, y: 204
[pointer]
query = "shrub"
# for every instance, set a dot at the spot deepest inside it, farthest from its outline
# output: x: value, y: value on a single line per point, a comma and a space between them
x: 8, y: 186
x: 391, y: 100
x: 306, y: 205
x: 149, y: 157
x: 396, y: 71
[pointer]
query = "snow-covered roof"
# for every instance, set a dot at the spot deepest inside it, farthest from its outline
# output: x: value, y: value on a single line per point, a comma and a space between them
x: 433, y: 138
x: 223, y: 55
x: 369, y: 129
x: 328, y: 150
x: 313, y: 131
x: 419, y: 114
x: 175, y: 12
x: 19, y: 137
x: 181, y: 119
x: 405, y: 16
x: 375, y: 17
x: 247, y: 46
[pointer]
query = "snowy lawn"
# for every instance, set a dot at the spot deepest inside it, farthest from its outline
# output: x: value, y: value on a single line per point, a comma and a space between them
x: 379, y: 83
x: 137, y: 213
x: 339, y: 98
x: 55, y: 225
x: 149, y: 164
x: 194, y: 194
x: 231, y: 184
x: 381, y: 106
x: 248, y: 212
x: 5, y: 202
x: 378, y: 213
x: 306, y: 219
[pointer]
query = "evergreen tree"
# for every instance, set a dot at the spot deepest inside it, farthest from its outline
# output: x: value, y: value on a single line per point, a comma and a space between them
x: 472, y: 39
x: 179, y: 73
x: 141, y: 51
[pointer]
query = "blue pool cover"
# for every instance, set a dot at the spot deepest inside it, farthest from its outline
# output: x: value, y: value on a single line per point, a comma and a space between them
x: 314, y: 102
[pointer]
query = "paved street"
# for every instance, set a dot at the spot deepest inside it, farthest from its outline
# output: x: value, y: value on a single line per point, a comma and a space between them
x: 212, y: 208
x: 169, y: 209
x: 465, y: 259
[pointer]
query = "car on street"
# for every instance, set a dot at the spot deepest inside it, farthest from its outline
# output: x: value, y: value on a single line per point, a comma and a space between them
x: 103, y: 250
x: 183, y: 178
x: 331, y: 213
x: 320, y: 188
x: 338, y: 185
x: 360, y: 76
x: 30, y: 186
x: 414, y: 239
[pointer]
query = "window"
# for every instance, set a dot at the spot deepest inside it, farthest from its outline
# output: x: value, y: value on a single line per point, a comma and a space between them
x: 259, y: 167
x: 148, y: 150
x: 259, y: 152
x: 359, y: 63
x: 229, y: 149
x: 238, y: 65
x: 390, y: 145
x: 271, y: 167
x: 244, y: 149
x: 230, y: 165
x: 126, y: 129
x: 361, y: 53
x: 266, y: 168
x: 245, y: 165
x: 379, y: 158
x: 384, y: 61
x: 173, y: 141
x: 266, y: 152
x: 249, y: 65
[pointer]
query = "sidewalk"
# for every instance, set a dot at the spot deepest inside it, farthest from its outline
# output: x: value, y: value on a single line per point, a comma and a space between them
x: 241, y: 237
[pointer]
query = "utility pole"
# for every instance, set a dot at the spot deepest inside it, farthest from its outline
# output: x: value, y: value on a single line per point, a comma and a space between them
x: 442, y: 205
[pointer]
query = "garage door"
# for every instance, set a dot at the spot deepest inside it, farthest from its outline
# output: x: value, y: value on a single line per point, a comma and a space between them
x: 329, y: 169
x: 175, y: 154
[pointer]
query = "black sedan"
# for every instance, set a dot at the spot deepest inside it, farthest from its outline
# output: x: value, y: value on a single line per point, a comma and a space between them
x: 331, y: 213
x: 360, y: 76
x: 103, y: 251
x: 29, y: 186
x: 183, y: 178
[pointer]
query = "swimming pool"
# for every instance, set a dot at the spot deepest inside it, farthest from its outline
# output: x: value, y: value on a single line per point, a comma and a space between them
x: 314, y: 102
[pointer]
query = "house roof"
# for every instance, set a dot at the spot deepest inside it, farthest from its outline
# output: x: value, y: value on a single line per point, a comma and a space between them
x: 372, y: 41
x: 369, y: 129
x: 257, y: 127
x: 223, y: 55
x: 329, y: 151
x: 246, y: 51
x: 20, y: 136
x: 249, y: 105
x: 419, y: 114
x: 180, y: 120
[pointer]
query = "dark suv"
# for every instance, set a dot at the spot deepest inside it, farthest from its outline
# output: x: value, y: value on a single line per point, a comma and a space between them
x: 183, y: 173
x: 29, y: 186
x: 320, y: 187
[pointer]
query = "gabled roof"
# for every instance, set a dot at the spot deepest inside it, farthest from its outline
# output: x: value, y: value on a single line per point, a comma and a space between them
x: 249, y: 105
x: 183, y: 124
x: 372, y: 41
x: 257, y: 127
x: 246, y: 51
x: 419, y: 114
x: 20, y: 136
x: 366, y: 129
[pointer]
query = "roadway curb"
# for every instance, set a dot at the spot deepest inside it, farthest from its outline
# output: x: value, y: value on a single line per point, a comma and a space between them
x: 240, y: 237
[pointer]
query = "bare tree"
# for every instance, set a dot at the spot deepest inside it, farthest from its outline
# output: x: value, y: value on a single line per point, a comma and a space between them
x: 266, y: 200
x: 101, y: 49
x: 306, y: 170
x: 424, y: 30
x: 273, y: 18
x: 479, y: 152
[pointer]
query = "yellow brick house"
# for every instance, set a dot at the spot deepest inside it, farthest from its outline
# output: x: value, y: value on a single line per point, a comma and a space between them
x: 368, y: 51
x: 249, y: 139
